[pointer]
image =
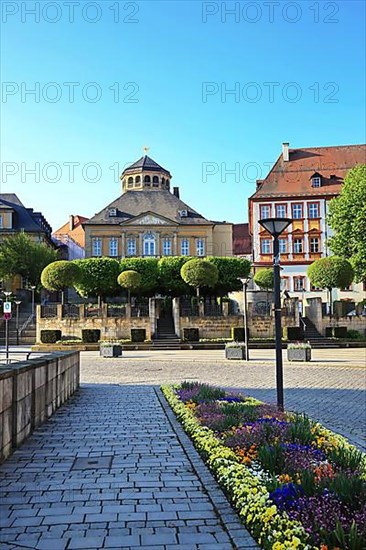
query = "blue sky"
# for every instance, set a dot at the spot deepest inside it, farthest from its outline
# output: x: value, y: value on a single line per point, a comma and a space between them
x: 160, y: 74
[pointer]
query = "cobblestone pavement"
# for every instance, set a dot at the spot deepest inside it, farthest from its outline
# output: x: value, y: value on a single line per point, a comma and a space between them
x: 332, y: 388
x: 113, y: 469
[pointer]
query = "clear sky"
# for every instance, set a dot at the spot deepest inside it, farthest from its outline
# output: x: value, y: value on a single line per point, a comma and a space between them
x: 112, y: 76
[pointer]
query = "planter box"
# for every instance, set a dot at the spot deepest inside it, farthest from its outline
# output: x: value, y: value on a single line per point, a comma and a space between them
x: 299, y: 354
x: 235, y: 353
x: 114, y: 350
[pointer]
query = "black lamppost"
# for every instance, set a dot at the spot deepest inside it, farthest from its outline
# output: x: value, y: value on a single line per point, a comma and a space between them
x: 245, y: 283
x: 276, y: 226
x: 17, y: 303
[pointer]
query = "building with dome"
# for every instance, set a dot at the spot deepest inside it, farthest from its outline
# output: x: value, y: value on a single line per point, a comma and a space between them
x: 150, y: 219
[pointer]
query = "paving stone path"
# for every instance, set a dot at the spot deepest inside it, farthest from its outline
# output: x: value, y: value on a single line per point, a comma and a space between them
x: 113, y: 469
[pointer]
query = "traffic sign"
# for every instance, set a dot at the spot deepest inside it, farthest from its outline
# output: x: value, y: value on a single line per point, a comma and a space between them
x: 7, y: 316
x: 7, y: 307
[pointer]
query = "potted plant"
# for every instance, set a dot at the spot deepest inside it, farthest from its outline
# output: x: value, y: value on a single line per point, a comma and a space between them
x: 110, y: 348
x: 299, y: 352
x: 235, y: 350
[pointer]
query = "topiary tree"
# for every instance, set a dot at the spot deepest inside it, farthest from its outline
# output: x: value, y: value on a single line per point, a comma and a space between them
x: 329, y: 273
x: 230, y: 271
x: 130, y: 280
x: 98, y: 277
x: 199, y: 273
x: 170, y: 280
x: 148, y: 269
x: 264, y: 278
x: 60, y: 275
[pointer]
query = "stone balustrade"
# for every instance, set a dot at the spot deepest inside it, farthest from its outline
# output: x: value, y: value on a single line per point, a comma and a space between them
x: 31, y: 391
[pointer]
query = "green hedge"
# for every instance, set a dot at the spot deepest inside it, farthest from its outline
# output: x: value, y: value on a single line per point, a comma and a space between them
x: 336, y: 332
x: 90, y: 336
x: 50, y: 336
x: 293, y: 333
x: 237, y: 334
x: 191, y: 334
x: 138, y: 335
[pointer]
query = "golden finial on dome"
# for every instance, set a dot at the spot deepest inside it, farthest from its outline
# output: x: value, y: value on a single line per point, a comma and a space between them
x: 146, y: 149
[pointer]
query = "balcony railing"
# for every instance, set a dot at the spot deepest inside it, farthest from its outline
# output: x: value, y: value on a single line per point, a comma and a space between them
x: 71, y: 311
x: 140, y: 310
x: 116, y: 310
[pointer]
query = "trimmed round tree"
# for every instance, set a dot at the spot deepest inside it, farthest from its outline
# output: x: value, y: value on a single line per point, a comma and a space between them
x: 230, y: 271
x: 98, y: 277
x: 329, y: 273
x: 148, y: 269
x: 199, y: 273
x: 264, y: 278
x: 130, y: 280
x: 170, y: 280
x: 60, y: 275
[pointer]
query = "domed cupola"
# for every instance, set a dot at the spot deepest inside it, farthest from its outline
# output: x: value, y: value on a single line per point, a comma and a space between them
x: 145, y: 175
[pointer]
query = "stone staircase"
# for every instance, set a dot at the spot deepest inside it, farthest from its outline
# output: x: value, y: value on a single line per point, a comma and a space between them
x: 27, y: 329
x: 165, y: 337
x: 311, y: 332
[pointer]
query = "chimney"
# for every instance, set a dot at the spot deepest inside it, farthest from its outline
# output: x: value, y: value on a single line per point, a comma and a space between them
x: 71, y: 222
x: 176, y: 192
x: 285, y: 152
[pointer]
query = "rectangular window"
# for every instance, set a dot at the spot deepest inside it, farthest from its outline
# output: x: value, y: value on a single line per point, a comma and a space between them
x: 299, y: 284
x: 316, y: 182
x: 314, y: 244
x: 1, y: 222
x: 265, y: 211
x: 131, y: 247
x: 298, y: 246
x: 297, y: 211
x: 184, y: 247
x: 314, y: 210
x: 167, y: 247
x: 265, y: 246
x: 113, y: 246
x: 200, y: 247
x: 280, y: 211
x: 284, y: 283
x: 283, y: 246
x: 97, y: 246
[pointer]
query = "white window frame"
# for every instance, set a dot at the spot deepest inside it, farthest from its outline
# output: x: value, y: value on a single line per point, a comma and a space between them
x: 316, y: 182
x: 131, y: 246
x: 302, y: 286
x: 282, y: 207
x: 1, y: 221
x: 300, y: 248
x: 283, y: 249
x: 200, y: 247
x: 184, y: 247
x: 269, y: 246
x: 97, y: 246
x: 113, y: 247
x: 312, y: 243
x: 312, y: 207
x: 265, y: 208
x: 297, y: 207
x: 149, y: 244
x: 167, y: 246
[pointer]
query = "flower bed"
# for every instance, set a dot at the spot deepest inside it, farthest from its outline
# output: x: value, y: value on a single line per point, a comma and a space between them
x: 295, y: 484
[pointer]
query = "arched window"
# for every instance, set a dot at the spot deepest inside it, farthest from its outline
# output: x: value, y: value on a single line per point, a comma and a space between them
x: 149, y: 244
x: 167, y: 183
x: 130, y: 182
x: 137, y: 179
x: 163, y: 181
x: 147, y: 179
x: 155, y: 181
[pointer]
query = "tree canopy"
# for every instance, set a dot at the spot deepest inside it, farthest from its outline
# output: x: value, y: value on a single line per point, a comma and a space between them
x: 60, y: 275
x: 199, y: 273
x: 131, y: 280
x: 98, y: 277
x: 20, y: 255
x: 148, y: 269
x: 230, y: 271
x: 331, y: 272
x: 170, y: 280
x: 264, y: 278
x: 347, y: 218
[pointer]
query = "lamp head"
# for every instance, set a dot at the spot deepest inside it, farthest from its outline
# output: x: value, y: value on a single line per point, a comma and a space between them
x: 275, y: 226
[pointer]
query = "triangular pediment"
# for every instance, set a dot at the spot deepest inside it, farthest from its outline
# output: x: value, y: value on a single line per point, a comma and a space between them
x: 149, y: 219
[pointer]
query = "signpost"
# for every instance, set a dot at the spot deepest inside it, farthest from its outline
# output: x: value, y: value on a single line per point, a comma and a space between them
x: 7, y: 317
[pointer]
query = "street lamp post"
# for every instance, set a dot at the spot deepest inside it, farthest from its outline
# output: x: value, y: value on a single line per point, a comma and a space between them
x: 33, y: 288
x: 276, y: 226
x: 245, y: 283
x: 17, y: 303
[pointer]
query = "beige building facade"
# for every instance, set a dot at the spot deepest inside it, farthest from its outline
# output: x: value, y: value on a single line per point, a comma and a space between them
x: 150, y: 220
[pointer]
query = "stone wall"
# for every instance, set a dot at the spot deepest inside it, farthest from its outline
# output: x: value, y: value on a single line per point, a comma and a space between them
x: 352, y: 322
x: 30, y: 392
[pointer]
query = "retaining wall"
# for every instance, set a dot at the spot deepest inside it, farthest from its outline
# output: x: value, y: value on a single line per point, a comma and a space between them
x: 31, y: 391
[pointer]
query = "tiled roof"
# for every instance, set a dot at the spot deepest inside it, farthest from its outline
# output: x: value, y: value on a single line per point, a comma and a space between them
x: 145, y: 163
x: 76, y: 233
x: 159, y: 202
x: 24, y: 218
x: 242, y: 242
x: 287, y: 179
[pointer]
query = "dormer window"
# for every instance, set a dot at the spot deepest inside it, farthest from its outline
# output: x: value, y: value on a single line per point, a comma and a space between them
x: 316, y: 180
x: 112, y: 212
